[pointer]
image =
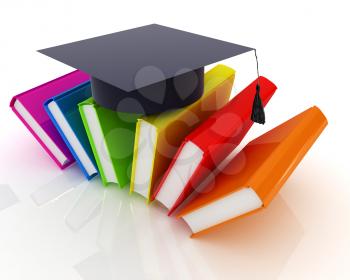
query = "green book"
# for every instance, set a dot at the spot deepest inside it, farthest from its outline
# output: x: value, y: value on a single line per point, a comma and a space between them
x: 111, y: 135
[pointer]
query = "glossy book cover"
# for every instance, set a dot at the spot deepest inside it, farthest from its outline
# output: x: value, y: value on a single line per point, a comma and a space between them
x: 28, y: 106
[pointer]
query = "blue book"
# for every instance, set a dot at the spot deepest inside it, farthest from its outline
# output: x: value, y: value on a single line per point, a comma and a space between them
x: 64, y: 113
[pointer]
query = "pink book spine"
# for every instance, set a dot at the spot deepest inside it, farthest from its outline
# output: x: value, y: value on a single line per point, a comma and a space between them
x: 33, y: 100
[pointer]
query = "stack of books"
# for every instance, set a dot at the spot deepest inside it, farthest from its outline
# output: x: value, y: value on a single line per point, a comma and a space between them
x: 147, y: 117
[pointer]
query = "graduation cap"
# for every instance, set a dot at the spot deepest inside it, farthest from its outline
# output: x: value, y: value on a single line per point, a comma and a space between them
x: 147, y: 70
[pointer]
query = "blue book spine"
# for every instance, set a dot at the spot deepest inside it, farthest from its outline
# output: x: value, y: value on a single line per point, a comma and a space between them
x: 68, y: 105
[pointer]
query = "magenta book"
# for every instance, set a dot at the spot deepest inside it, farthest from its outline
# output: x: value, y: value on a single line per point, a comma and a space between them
x: 28, y: 106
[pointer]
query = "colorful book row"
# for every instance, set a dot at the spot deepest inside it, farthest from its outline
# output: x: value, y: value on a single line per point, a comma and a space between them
x: 173, y: 157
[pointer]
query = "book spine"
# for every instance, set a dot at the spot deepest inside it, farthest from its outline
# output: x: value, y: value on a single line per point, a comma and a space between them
x: 134, y: 159
x: 92, y: 143
x: 65, y: 139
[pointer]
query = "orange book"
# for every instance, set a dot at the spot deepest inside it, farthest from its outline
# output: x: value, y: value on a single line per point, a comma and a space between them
x: 253, y: 178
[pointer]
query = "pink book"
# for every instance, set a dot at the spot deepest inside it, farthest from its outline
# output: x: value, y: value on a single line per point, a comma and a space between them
x: 28, y: 106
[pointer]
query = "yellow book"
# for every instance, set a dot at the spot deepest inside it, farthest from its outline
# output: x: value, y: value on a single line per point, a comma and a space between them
x: 159, y: 136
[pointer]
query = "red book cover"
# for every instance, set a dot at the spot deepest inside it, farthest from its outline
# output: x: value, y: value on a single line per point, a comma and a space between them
x: 218, y: 136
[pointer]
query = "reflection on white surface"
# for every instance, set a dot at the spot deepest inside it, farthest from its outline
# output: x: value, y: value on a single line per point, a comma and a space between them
x: 139, y: 241
x: 7, y: 197
x: 87, y: 206
x: 115, y: 217
x: 68, y: 179
x: 93, y: 232
x: 175, y: 249
x: 119, y: 256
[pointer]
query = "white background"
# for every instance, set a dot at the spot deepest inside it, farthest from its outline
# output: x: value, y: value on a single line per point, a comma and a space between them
x: 303, y: 46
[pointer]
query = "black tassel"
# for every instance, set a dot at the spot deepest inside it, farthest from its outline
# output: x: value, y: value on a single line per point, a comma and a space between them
x: 258, y: 114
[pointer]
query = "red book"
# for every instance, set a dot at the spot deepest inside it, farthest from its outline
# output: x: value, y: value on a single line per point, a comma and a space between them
x: 208, y: 145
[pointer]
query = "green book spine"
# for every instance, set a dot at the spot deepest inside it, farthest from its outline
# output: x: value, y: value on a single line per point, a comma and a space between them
x: 118, y: 131
x: 90, y: 102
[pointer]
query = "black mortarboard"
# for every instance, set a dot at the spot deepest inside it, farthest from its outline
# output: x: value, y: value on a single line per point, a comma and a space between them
x: 148, y: 69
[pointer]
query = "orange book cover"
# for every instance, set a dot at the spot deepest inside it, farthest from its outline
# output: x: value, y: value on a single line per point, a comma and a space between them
x: 256, y: 174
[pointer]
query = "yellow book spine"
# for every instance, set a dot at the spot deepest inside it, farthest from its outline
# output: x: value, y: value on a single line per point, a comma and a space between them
x: 136, y: 144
